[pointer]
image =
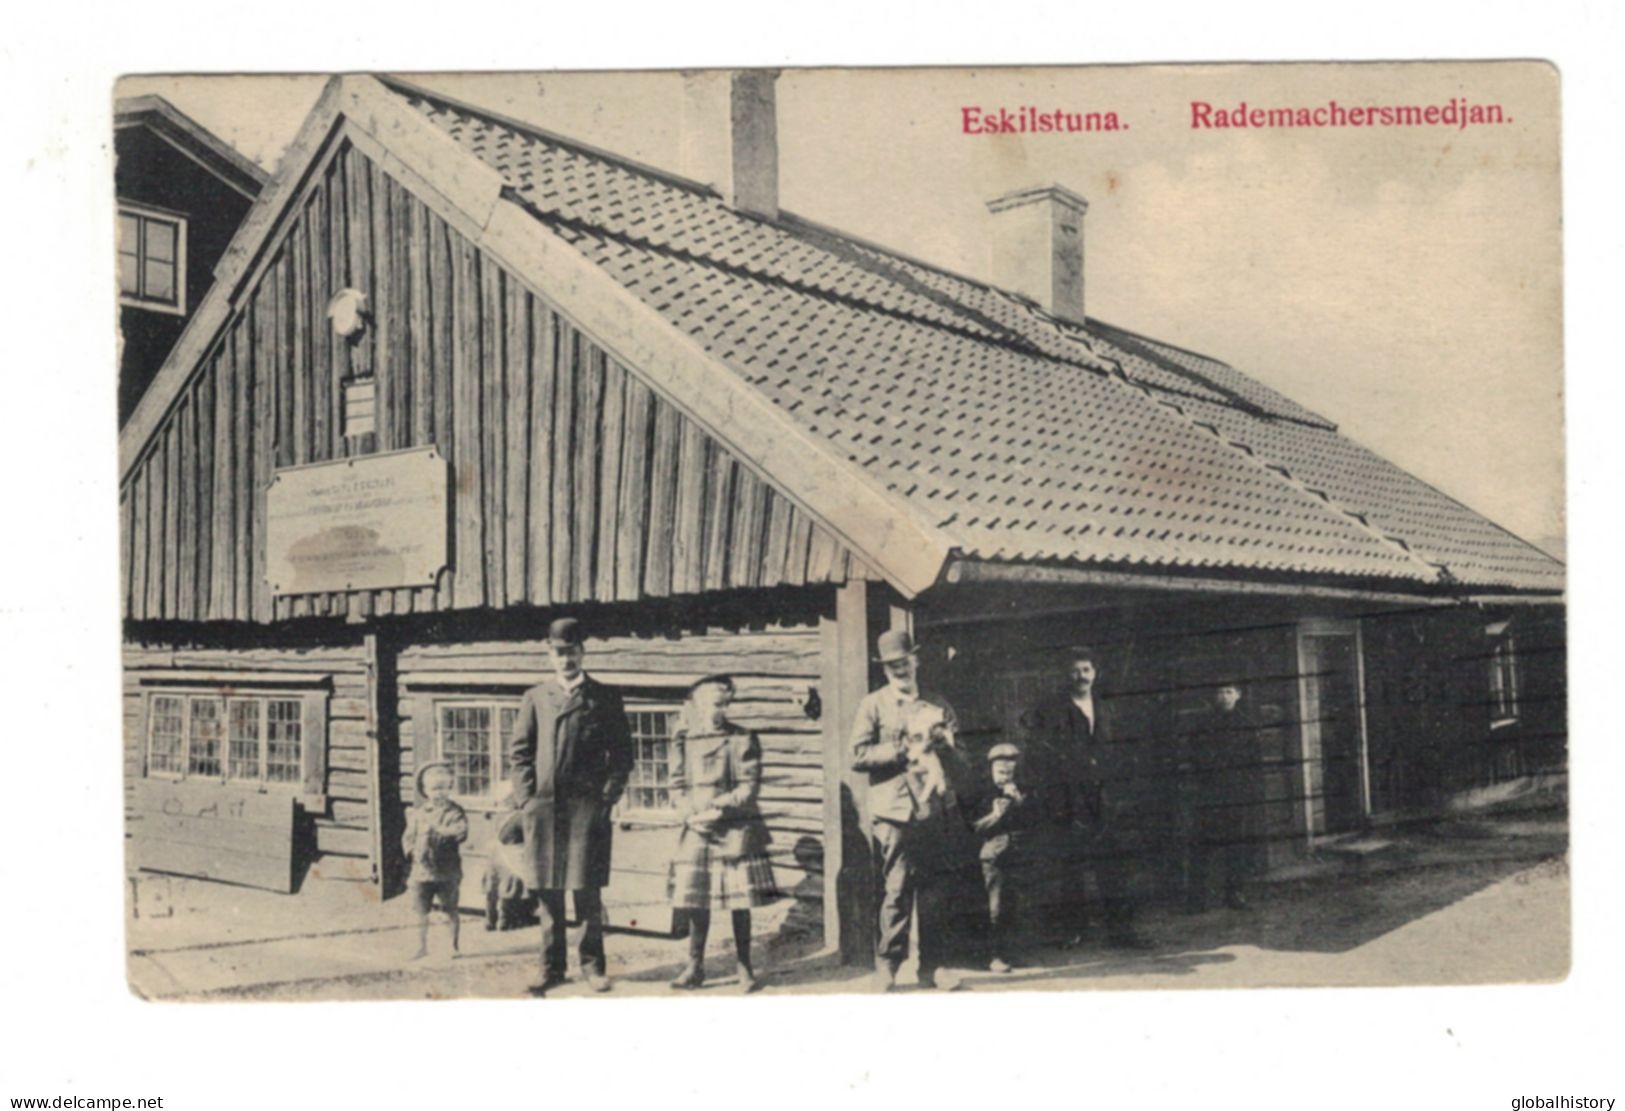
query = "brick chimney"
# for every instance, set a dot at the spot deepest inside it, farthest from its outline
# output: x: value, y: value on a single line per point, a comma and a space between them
x: 730, y: 136
x: 1038, y: 247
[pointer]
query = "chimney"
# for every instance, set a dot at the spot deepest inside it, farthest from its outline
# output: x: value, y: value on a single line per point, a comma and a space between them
x: 1038, y: 247
x: 730, y: 136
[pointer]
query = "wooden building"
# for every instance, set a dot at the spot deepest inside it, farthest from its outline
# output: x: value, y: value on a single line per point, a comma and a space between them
x: 458, y: 376
x: 182, y: 194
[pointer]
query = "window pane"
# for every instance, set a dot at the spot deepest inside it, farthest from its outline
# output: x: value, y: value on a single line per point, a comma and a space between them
x: 159, y: 280
x: 164, y: 745
x: 207, y: 728
x: 510, y: 721
x: 243, y: 751
x: 651, y: 763
x: 465, y: 744
x: 129, y: 234
x: 160, y: 241
x: 284, y: 740
x: 129, y: 275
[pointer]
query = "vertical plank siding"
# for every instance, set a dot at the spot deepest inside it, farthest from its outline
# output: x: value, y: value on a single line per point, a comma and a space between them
x: 572, y: 480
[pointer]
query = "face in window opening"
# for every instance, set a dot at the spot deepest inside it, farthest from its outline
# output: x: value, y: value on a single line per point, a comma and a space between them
x: 1082, y: 677
x: 437, y: 785
x: 566, y: 660
x: 1228, y: 697
x: 711, y: 702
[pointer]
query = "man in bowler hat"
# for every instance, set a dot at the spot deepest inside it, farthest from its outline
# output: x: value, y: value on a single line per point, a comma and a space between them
x: 903, y: 738
x: 572, y: 755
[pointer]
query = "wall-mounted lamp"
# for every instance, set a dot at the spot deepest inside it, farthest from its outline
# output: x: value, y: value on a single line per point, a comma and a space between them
x: 348, y: 312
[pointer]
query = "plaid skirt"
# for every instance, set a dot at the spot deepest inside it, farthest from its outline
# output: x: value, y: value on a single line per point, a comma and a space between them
x: 703, y: 877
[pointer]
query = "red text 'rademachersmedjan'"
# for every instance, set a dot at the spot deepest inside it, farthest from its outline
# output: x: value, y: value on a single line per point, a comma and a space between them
x: 1030, y: 120
x: 1458, y: 112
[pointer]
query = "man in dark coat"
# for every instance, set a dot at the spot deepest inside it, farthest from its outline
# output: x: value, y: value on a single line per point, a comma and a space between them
x: 1093, y: 788
x: 572, y: 755
x: 1222, y: 797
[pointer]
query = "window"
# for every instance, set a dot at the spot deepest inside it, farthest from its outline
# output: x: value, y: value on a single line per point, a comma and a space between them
x: 251, y: 739
x: 152, y: 258
x: 474, y: 734
x: 1503, y: 661
x: 476, y: 739
x: 649, y: 788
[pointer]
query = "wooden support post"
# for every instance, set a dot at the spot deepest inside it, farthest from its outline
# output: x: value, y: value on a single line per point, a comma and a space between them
x: 849, y: 901
x: 384, y: 817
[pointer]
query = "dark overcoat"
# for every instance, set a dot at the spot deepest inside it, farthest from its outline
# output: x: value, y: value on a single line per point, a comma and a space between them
x: 572, y: 755
x: 1098, y: 784
x: 1224, y: 776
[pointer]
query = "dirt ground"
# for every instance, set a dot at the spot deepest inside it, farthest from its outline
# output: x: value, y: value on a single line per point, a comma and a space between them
x: 1477, y: 899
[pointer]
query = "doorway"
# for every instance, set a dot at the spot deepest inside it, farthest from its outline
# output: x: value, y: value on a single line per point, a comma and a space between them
x: 1331, y: 686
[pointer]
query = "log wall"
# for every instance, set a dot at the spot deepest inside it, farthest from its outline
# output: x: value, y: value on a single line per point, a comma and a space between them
x: 775, y: 670
x: 338, y: 815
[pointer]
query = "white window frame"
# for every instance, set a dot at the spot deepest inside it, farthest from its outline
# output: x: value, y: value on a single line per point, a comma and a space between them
x: 499, y: 785
x: 626, y: 810
x: 431, y: 692
x: 259, y: 782
x: 145, y: 213
x: 1502, y: 660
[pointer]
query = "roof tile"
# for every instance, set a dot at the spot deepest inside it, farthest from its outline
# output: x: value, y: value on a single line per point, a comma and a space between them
x: 1166, y: 458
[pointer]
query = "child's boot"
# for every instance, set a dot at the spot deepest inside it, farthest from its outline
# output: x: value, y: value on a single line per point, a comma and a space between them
x: 693, y: 974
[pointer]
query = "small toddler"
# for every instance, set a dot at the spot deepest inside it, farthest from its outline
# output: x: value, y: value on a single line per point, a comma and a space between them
x: 434, y: 830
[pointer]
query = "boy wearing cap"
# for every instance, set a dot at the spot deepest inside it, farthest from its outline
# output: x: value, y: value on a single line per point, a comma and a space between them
x: 903, y: 738
x: 1004, y: 817
x: 434, y: 830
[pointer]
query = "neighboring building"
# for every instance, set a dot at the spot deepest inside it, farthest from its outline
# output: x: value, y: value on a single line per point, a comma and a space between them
x: 731, y: 439
x: 182, y: 193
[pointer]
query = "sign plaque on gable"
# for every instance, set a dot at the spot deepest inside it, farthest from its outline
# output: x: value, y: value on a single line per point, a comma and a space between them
x: 367, y: 523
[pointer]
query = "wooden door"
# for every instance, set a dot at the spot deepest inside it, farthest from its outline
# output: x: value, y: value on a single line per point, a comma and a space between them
x: 1336, y: 786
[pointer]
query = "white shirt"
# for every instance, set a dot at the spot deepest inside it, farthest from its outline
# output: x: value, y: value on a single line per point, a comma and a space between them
x: 1086, y: 707
x: 571, y: 685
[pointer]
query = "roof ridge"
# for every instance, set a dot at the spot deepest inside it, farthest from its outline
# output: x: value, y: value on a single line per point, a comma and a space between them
x: 1014, y: 338
x: 1146, y: 348
x: 1438, y: 572
x: 1452, y: 499
x: 128, y: 112
x: 403, y: 87
x: 1004, y: 336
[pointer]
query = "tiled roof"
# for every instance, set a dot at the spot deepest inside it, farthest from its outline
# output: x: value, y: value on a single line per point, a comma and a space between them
x: 1022, y: 438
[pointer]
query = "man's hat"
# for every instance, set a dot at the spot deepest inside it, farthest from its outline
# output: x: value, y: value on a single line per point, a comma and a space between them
x: 719, y: 677
x: 565, y: 632
x: 893, y: 645
x: 1003, y: 752
x: 426, y: 769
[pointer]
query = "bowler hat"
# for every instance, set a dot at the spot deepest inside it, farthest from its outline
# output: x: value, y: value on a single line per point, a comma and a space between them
x: 565, y: 632
x: 893, y: 645
x: 1004, y: 751
x: 719, y: 677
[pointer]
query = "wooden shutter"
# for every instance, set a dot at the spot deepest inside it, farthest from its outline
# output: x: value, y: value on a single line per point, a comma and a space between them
x: 314, y: 750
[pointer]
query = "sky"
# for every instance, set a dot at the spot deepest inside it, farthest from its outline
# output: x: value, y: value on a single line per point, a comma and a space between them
x: 1404, y: 282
